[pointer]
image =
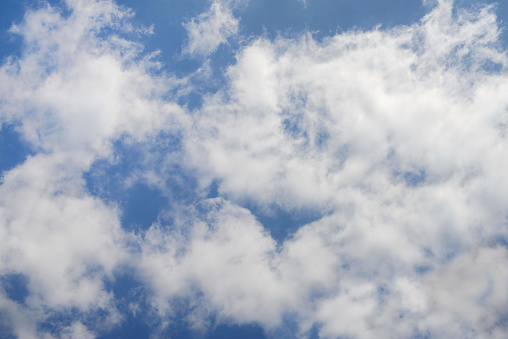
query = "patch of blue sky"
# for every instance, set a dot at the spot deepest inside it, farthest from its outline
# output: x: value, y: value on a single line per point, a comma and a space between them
x: 169, y: 34
x: 179, y: 329
x: 15, y: 286
x: 11, y: 11
x: 143, y: 324
x: 121, y: 181
x: 141, y: 206
x: 422, y: 269
x: 213, y: 189
x: 279, y: 221
x: 206, y: 84
x: 326, y: 18
x: 251, y: 331
x: 6, y: 333
x: 56, y: 321
x: 382, y: 294
x: 412, y: 178
x: 314, y: 332
x: 13, y: 149
x: 134, y: 327
x: 415, y: 178
x: 130, y: 298
x: 491, y: 67
x: 289, y: 328
x: 292, y: 127
x: 502, y: 14
x: 503, y: 321
x: 501, y: 240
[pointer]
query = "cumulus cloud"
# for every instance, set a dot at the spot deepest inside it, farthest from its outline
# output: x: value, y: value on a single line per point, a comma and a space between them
x: 71, y: 93
x: 220, y: 251
x: 396, y: 138
x: 335, y: 111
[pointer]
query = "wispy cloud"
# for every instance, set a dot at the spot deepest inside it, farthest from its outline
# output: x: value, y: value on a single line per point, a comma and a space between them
x: 212, y: 28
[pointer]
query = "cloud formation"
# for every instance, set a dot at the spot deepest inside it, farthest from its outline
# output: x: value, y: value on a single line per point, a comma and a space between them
x: 72, y: 92
x: 395, y: 137
x: 212, y: 28
x: 398, y: 137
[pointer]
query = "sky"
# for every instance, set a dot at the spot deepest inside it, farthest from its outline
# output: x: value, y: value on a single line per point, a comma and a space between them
x: 253, y: 169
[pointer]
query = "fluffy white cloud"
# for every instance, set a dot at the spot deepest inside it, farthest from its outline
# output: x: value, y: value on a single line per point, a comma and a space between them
x: 72, y: 92
x: 223, y: 253
x: 396, y: 137
x: 210, y: 29
x: 313, y: 118
x: 74, y: 89
x: 63, y: 240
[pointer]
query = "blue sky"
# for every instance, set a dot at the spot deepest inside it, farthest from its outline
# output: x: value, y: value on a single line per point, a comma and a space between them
x: 253, y: 169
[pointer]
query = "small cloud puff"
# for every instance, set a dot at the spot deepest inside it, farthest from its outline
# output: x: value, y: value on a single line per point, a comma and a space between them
x: 210, y: 29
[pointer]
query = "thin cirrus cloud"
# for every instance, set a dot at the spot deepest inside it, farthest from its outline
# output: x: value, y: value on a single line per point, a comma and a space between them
x: 394, y: 138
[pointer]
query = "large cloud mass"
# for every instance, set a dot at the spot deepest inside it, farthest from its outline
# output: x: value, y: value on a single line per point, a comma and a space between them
x: 395, y: 138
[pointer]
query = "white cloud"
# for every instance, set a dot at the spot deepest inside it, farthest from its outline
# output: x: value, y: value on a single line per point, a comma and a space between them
x: 472, y: 288
x: 73, y: 89
x: 311, y: 118
x: 16, y: 319
x: 63, y: 240
x: 225, y: 254
x: 71, y: 93
x: 210, y: 29
x: 397, y: 137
